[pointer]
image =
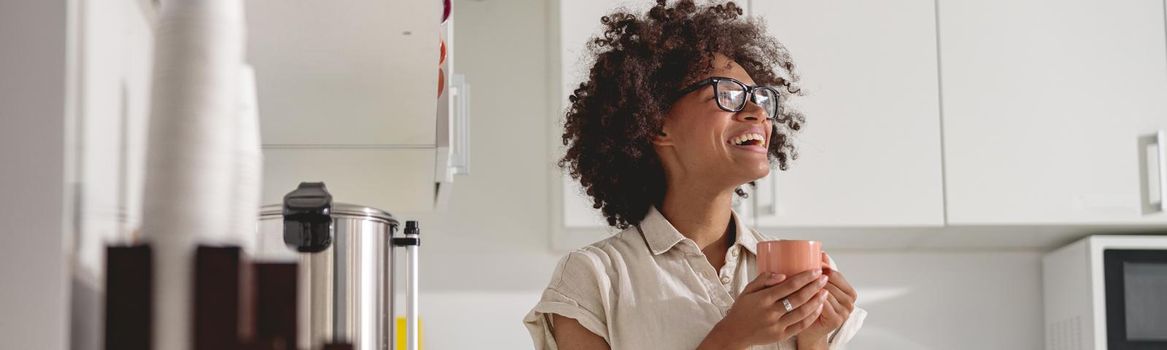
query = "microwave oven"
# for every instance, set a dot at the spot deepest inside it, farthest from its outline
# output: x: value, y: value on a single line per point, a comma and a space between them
x: 1106, y: 293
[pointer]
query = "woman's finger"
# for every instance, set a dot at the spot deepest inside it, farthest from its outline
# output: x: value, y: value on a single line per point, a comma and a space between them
x: 829, y: 313
x: 807, y: 309
x: 789, y: 286
x: 838, y: 279
x: 805, y: 294
x: 797, y: 325
x: 763, y: 280
x: 843, y: 298
x: 837, y: 309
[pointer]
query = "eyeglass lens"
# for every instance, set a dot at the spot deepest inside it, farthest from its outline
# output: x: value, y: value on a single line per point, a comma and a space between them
x: 731, y: 96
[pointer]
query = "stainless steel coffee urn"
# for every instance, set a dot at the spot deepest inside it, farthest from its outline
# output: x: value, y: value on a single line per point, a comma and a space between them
x: 345, y: 256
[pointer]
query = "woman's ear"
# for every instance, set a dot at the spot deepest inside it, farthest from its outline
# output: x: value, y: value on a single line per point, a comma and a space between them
x: 662, y: 138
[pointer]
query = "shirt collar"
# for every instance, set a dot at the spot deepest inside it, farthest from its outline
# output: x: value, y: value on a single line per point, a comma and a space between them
x: 747, y: 238
x: 662, y: 236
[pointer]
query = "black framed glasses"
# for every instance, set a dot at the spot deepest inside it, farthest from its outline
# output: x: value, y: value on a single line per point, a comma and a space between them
x: 731, y: 95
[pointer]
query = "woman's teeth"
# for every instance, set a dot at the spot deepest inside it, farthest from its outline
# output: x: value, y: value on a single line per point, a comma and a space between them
x: 749, y: 139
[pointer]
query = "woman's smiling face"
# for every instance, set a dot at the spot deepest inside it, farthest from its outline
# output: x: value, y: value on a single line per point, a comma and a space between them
x: 707, y: 142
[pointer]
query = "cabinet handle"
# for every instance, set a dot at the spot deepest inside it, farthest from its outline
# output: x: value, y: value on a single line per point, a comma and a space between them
x: 1161, y: 146
x: 460, y: 159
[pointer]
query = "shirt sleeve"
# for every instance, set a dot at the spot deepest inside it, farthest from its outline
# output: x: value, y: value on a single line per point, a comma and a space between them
x: 574, y: 292
x: 839, y: 339
x: 851, y: 326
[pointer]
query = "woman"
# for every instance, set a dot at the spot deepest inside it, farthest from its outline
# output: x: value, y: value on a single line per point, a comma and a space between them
x: 682, y: 106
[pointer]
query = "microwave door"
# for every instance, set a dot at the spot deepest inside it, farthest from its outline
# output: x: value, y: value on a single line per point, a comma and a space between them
x: 1136, y: 298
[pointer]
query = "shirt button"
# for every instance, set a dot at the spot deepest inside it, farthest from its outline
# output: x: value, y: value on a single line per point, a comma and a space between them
x: 733, y: 252
x: 725, y: 279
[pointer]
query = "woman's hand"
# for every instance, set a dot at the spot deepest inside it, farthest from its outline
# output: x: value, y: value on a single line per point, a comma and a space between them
x: 841, y: 301
x: 758, y: 316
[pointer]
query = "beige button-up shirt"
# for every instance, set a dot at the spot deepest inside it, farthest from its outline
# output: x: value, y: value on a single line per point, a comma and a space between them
x: 649, y: 287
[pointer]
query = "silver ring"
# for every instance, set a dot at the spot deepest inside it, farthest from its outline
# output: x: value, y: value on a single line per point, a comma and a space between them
x: 786, y: 305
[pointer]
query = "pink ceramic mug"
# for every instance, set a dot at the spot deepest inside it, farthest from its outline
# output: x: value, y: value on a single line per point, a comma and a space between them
x: 790, y: 257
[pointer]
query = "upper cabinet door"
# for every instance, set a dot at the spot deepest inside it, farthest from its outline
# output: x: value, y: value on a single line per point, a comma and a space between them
x: 870, y: 151
x: 345, y: 73
x: 1048, y: 105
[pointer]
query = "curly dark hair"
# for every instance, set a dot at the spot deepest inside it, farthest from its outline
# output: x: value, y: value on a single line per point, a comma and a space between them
x: 640, y: 62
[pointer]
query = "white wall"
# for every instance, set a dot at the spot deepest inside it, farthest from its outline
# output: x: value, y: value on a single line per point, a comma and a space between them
x: 949, y: 301
x: 487, y: 258
x: 33, y: 288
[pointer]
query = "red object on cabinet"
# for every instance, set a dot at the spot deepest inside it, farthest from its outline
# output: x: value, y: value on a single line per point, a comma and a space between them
x: 445, y: 10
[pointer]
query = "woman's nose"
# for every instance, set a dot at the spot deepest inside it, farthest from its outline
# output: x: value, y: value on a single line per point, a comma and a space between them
x: 752, y: 113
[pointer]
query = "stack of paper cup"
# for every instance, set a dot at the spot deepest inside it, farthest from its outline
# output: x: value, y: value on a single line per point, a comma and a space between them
x: 189, y: 165
x: 244, y: 211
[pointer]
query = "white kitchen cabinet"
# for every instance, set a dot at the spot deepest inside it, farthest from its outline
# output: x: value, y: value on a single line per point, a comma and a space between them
x: 348, y: 93
x: 345, y: 73
x: 870, y: 152
x: 1044, y: 106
